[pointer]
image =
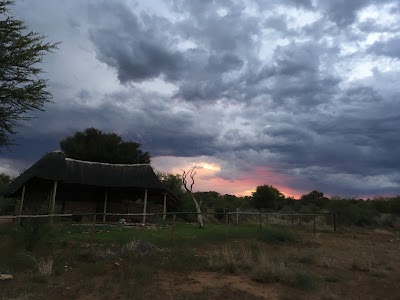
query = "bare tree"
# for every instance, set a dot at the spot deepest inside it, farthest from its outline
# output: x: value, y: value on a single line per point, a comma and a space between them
x: 191, y: 174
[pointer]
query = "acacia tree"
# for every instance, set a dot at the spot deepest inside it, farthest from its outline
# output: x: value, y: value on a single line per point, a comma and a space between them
x: 266, y: 196
x: 21, y: 88
x: 191, y: 173
x: 94, y: 145
x: 173, y: 183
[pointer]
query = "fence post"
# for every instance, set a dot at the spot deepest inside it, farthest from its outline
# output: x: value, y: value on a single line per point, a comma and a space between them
x: 21, y: 205
x: 94, y: 222
x: 226, y: 225
x: 173, y: 229
x: 292, y: 219
x: 334, y: 222
x: 314, y: 225
x: 259, y: 218
x: 237, y: 216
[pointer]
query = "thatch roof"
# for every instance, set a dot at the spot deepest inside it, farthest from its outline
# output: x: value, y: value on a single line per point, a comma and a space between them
x: 55, y: 166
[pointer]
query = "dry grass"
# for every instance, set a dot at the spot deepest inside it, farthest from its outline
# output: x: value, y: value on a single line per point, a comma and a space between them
x: 45, y: 266
x: 260, y: 266
x: 231, y: 259
x: 364, y: 262
x: 344, y: 265
x: 24, y: 296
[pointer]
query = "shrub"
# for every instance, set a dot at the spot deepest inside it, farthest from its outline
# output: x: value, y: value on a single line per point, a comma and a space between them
x: 22, y: 261
x: 304, y: 281
x: 305, y: 259
x: 278, y: 234
x: 332, y: 278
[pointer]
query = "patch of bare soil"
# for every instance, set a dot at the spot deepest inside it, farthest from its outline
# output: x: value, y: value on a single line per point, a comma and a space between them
x: 196, y: 282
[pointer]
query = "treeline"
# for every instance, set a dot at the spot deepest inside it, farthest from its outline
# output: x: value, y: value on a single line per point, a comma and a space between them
x: 379, y: 211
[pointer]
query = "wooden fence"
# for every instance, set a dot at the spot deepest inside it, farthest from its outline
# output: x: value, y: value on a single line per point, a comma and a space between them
x: 229, y: 218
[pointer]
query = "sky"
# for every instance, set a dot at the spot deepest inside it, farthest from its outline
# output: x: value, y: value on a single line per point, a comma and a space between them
x: 298, y: 94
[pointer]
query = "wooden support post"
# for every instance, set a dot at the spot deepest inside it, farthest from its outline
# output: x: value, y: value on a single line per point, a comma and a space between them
x: 53, y: 200
x: 259, y: 219
x: 21, y: 205
x: 94, y: 223
x: 292, y: 220
x: 105, y: 206
x: 314, y: 225
x: 165, y: 207
x: 226, y: 225
x: 334, y: 222
x: 173, y: 229
x: 237, y: 216
x: 145, y: 207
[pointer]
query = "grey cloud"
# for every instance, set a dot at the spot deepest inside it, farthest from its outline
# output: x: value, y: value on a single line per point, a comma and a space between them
x: 297, y: 112
x: 139, y: 49
x: 370, y: 25
x: 296, y: 77
x: 137, y: 52
x: 152, y: 122
x: 389, y: 48
x: 224, y: 63
x: 341, y: 12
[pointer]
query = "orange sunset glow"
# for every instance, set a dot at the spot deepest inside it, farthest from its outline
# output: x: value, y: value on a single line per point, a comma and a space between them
x: 207, y: 176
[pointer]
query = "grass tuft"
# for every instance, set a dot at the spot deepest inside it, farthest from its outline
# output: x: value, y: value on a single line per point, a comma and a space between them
x: 307, y: 259
x: 332, y: 279
x: 45, y: 266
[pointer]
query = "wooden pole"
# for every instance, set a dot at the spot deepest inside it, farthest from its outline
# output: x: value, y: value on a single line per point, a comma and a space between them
x: 334, y: 222
x: 314, y: 225
x: 105, y: 206
x: 292, y: 220
x: 53, y: 200
x: 94, y: 223
x: 165, y: 207
x: 173, y: 229
x: 226, y: 225
x: 145, y: 207
x: 237, y: 216
x: 259, y: 218
x: 21, y: 204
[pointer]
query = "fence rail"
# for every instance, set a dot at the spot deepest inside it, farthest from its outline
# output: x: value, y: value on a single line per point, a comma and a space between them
x: 226, y: 215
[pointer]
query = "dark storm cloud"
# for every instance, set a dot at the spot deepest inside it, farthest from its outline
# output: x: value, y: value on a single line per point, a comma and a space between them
x: 136, y: 49
x: 139, y: 48
x: 389, y: 48
x: 152, y: 123
x: 294, y: 78
x: 278, y: 85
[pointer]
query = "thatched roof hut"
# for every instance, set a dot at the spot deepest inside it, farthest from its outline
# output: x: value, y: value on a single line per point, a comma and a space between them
x: 90, y: 182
